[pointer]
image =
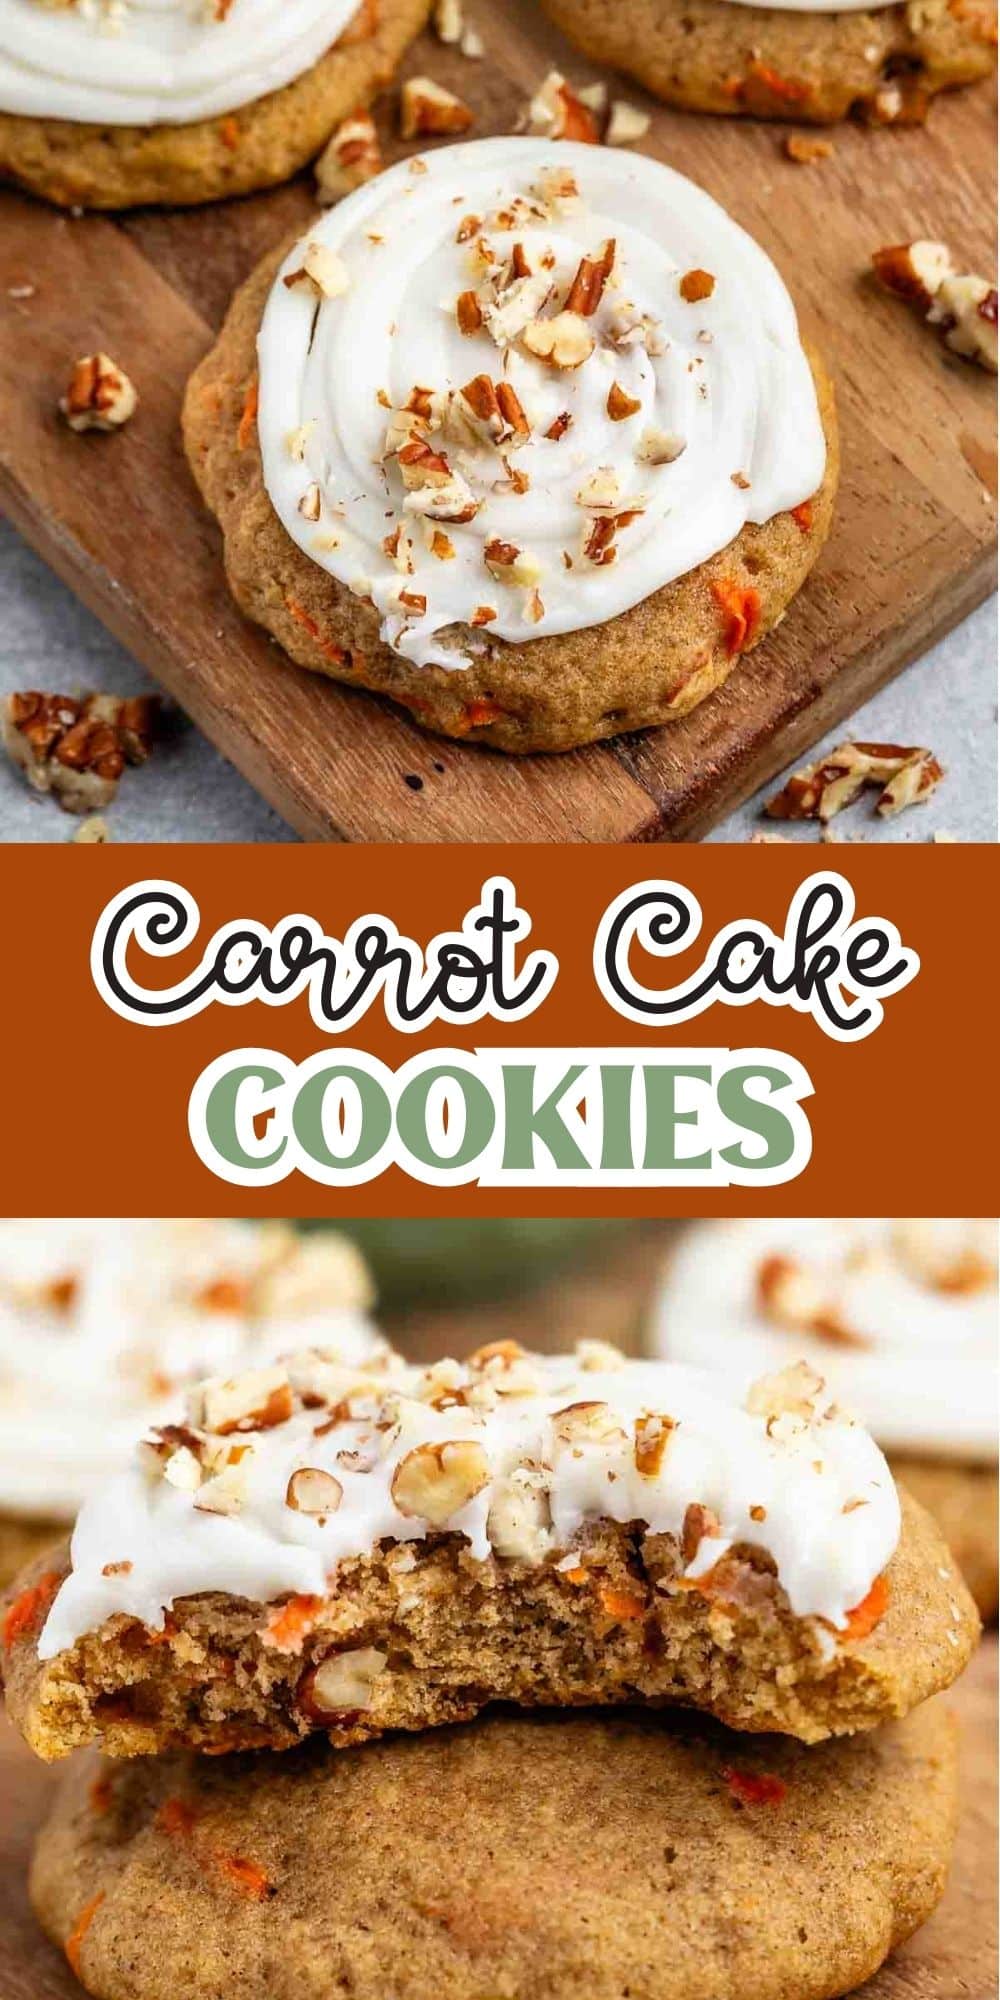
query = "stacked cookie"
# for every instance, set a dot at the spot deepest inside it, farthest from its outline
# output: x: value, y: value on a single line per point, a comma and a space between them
x: 102, y: 1322
x: 354, y: 1566
x: 900, y: 1317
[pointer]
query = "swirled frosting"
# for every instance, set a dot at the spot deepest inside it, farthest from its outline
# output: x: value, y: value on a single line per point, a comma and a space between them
x: 280, y: 1476
x: 156, y: 62
x: 516, y: 387
x: 101, y: 1322
x: 900, y: 1316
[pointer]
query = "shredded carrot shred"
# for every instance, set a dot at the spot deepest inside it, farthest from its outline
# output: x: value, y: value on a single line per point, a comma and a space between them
x: 290, y: 1623
x: 27, y: 1610
x: 740, y: 606
x: 477, y: 714
x: 100, y: 1795
x: 229, y: 133
x: 755, y: 1788
x: 577, y: 1575
x: 79, y: 1931
x: 154, y: 1638
x: 248, y: 419
x: 245, y: 1875
x: 802, y: 515
x: 621, y: 1603
x: 866, y: 1615
x: 177, y: 1816
x: 780, y: 86
x: 327, y: 646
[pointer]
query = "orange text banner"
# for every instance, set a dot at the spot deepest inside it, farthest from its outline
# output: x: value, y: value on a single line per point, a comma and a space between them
x: 617, y: 1012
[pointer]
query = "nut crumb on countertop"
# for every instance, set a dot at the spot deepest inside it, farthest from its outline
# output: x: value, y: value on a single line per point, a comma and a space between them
x: 76, y: 748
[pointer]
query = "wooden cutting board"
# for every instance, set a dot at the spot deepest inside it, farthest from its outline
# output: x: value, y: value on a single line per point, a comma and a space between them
x: 953, y: 1958
x: 910, y: 555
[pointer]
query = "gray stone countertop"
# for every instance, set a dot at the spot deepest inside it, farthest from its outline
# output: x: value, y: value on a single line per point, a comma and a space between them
x: 946, y: 702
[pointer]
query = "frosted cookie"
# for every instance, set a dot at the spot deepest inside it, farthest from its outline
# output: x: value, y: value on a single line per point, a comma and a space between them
x: 323, y: 1549
x: 103, y: 1321
x: 110, y: 103
x: 811, y: 63
x: 556, y: 1855
x: 522, y: 435
x: 900, y: 1316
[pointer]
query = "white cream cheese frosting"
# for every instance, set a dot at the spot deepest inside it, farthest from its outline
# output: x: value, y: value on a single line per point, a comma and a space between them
x: 630, y: 393
x: 900, y: 1317
x: 156, y: 62
x: 288, y: 1472
x: 102, y: 1322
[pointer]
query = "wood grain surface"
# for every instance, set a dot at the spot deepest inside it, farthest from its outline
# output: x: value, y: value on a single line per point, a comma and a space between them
x: 911, y: 552
x: 953, y: 1958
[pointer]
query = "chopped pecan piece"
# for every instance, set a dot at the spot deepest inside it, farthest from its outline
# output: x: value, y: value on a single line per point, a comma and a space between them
x: 563, y: 341
x: 620, y: 404
x: 99, y: 397
x: 427, y: 110
x: 821, y: 790
x: 352, y: 157
x: 626, y: 125
x: 696, y: 285
x: 961, y: 306
x: 592, y: 275
x: 78, y: 749
x: 557, y: 112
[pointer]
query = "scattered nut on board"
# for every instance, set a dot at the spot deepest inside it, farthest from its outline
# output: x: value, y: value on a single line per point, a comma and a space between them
x: 99, y: 395
x: 76, y: 748
x: 962, y: 307
x: 427, y: 110
x: 626, y: 125
x: 905, y: 776
x: 352, y: 157
x: 804, y: 149
x: 557, y: 111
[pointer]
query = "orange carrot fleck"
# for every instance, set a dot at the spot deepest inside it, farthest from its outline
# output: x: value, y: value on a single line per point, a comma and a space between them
x: 327, y: 646
x: 245, y: 1876
x: 621, y: 1603
x: 79, y: 1931
x: 780, y: 86
x: 866, y: 1615
x: 478, y: 713
x: 27, y: 1610
x: 755, y: 1788
x: 733, y: 86
x: 169, y: 1629
x: 289, y: 1624
x: 177, y: 1817
x: 100, y: 1795
x: 740, y: 606
x: 249, y: 417
x: 802, y: 515
x: 577, y: 1575
x: 229, y: 133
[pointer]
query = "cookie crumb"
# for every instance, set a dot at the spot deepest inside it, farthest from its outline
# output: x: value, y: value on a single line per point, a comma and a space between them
x: 805, y: 150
